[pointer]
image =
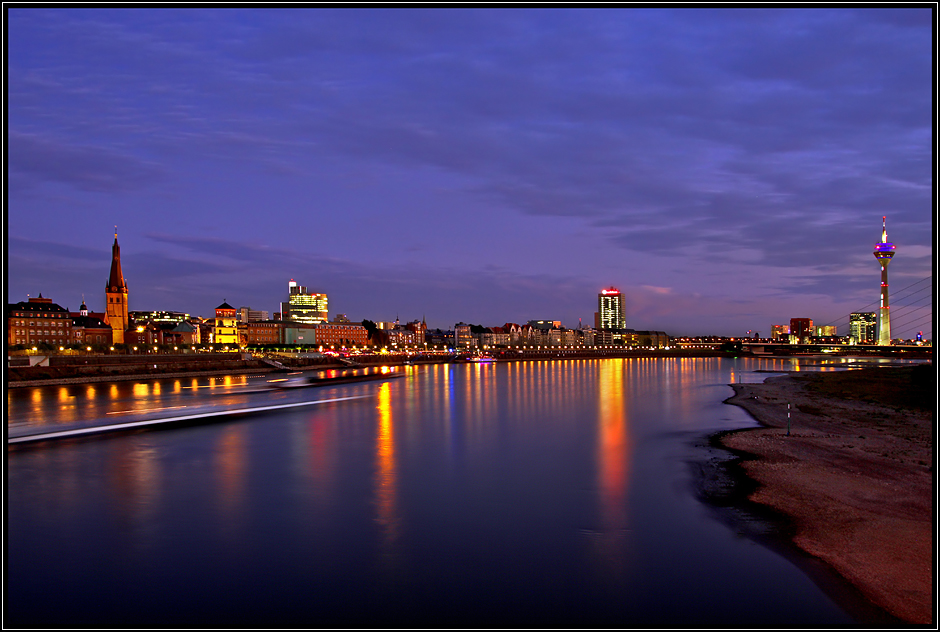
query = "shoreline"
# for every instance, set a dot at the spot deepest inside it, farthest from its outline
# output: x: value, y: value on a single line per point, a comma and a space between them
x: 852, y: 485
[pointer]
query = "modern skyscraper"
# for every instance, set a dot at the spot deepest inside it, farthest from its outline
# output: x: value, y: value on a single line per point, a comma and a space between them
x: 610, y: 309
x: 883, y: 253
x: 862, y: 327
x: 303, y: 306
x: 116, y: 296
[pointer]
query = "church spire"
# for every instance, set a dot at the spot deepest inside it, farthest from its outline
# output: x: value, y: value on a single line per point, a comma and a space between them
x: 116, y: 278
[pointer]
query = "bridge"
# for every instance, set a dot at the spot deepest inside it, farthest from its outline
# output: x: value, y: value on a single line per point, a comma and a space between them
x: 762, y: 348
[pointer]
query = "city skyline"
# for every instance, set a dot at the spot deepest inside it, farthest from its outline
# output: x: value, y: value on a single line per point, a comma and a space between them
x: 725, y: 169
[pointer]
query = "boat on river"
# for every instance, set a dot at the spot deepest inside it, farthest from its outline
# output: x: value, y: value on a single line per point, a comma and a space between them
x: 304, y: 381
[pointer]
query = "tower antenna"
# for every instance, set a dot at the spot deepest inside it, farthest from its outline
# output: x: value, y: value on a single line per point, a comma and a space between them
x: 884, y: 251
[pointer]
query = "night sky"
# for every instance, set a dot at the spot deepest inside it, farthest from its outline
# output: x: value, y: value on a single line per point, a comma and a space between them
x: 726, y: 169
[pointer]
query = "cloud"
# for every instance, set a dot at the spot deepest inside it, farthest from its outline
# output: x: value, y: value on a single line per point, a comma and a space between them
x: 86, y: 167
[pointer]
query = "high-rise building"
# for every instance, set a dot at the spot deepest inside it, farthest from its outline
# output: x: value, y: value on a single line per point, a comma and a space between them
x: 884, y: 250
x: 303, y: 306
x: 610, y: 309
x: 862, y: 327
x: 801, y: 329
x: 116, y: 296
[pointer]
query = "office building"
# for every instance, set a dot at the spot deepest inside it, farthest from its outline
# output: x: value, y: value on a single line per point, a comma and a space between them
x: 248, y: 315
x: 610, y: 309
x: 304, y: 307
x: 780, y: 332
x: 801, y: 329
x: 884, y: 250
x: 862, y: 327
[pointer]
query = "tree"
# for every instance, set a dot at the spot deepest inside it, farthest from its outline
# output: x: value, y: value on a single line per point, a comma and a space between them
x: 732, y: 346
x: 371, y: 327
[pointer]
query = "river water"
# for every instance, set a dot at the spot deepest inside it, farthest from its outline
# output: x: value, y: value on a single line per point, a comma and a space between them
x: 527, y: 494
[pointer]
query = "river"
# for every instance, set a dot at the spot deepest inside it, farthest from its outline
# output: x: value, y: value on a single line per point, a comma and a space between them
x: 518, y: 494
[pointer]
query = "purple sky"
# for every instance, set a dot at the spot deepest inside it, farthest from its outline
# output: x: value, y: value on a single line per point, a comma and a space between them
x: 726, y: 169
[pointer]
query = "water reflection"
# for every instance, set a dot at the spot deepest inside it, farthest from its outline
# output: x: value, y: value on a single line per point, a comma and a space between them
x: 386, y: 472
x: 231, y: 472
x: 534, y: 492
x: 614, y: 448
x: 135, y: 484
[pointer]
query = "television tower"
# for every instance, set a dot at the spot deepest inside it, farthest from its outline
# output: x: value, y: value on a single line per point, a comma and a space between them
x: 883, y: 253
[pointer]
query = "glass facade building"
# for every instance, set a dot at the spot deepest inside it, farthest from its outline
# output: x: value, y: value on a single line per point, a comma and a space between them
x: 305, y: 307
x: 862, y: 327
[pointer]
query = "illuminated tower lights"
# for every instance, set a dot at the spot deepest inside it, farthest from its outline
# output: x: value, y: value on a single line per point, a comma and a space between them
x: 883, y: 253
x: 610, y: 308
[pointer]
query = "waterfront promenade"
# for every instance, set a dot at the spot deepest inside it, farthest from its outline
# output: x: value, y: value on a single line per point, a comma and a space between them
x: 77, y: 369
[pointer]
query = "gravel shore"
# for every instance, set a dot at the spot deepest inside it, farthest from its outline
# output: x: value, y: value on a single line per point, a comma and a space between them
x: 855, y: 477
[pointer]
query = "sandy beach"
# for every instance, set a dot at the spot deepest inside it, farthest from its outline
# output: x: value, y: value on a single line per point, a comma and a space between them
x: 855, y: 475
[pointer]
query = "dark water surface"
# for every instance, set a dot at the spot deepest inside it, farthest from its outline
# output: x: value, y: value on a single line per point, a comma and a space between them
x: 530, y: 494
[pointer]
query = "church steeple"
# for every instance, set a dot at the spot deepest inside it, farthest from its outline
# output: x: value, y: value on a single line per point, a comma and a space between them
x: 116, y: 279
x: 116, y: 313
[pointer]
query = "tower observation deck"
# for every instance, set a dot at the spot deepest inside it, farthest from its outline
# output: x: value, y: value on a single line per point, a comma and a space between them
x: 884, y: 250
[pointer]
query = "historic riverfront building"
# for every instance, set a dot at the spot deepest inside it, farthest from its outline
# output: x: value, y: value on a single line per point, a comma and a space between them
x: 38, y: 320
x: 90, y: 328
x: 226, y: 329
x: 116, y: 296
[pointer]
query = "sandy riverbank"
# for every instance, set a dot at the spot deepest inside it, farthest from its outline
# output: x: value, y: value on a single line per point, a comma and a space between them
x: 855, y: 476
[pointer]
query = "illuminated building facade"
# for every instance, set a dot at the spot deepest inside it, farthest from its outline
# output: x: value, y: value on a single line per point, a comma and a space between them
x: 90, y: 328
x: 226, y: 328
x: 419, y: 330
x: 248, y: 315
x: 884, y: 250
x: 862, y: 327
x: 780, y: 332
x: 826, y: 330
x: 462, y: 337
x: 263, y: 332
x: 342, y: 334
x: 38, y: 320
x: 161, y: 316
x: 303, y: 306
x: 116, y: 296
x: 610, y: 309
x: 801, y: 329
